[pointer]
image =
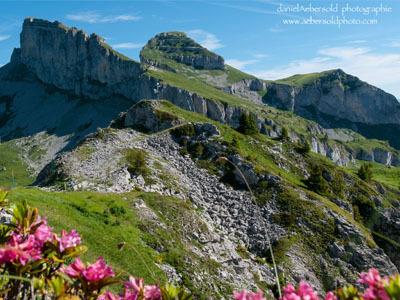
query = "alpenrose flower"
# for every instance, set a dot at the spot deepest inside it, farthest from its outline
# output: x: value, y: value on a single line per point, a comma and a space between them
x: 134, y: 289
x: 303, y: 292
x: 68, y: 240
x: 375, y: 285
x: 245, y: 295
x: 91, y: 273
x: 20, y: 250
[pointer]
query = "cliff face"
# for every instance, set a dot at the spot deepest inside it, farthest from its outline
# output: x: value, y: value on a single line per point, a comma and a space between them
x: 71, y: 60
x: 339, y: 95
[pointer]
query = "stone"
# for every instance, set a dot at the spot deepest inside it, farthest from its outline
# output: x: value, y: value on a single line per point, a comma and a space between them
x: 146, y: 117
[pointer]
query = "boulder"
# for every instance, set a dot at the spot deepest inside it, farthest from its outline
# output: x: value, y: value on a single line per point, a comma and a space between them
x: 147, y: 116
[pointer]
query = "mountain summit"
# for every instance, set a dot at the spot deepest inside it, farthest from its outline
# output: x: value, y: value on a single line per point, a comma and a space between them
x: 182, y: 49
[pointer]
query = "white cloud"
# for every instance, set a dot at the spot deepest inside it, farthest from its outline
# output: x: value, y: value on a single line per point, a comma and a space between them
x: 128, y: 45
x: 343, y: 52
x: 205, y: 38
x: 260, y: 55
x: 382, y: 70
x: 94, y: 17
x: 357, y: 42
x: 276, y: 29
x: 4, y: 37
x: 394, y: 44
x: 239, y: 64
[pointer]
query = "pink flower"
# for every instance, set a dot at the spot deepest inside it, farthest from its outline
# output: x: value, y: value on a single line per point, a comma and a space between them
x: 20, y: 249
x: 68, y: 240
x: 108, y: 296
x: 75, y: 269
x: 152, y: 292
x: 330, y: 296
x: 371, y: 278
x: 43, y: 234
x: 376, y: 285
x: 304, y: 292
x: 245, y: 295
x: 133, y: 288
x: 98, y: 271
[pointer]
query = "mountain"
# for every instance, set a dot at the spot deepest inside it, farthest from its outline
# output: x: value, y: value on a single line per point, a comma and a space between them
x: 335, y: 99
x: 178, y: 139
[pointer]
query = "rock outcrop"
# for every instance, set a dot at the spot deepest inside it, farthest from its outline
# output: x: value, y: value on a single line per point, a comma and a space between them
x: 339, y: 95
x: 339, y: 100
x: 179, y: 47
x: 146, y: 116
x: 70, y: 59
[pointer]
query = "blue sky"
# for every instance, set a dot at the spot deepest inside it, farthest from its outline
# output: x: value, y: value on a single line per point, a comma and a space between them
x: 250, y: 35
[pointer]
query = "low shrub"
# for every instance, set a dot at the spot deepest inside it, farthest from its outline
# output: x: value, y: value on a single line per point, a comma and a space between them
x: 137, y: 162
x: 247, y: 124
x: 365, y: 172
x: 365, y: 206
x: 184, y: 130
x: 316, y: 182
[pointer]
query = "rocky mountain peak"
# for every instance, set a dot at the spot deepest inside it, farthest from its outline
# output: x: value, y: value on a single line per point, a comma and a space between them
x: 179, y: 47
x: 70, y: 59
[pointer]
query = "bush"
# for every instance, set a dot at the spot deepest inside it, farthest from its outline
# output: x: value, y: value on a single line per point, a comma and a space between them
x: 247, y: 124
x: 303, y: 148
x: 365, y: 172
x: 284, y: 134
x: 316, y: 181
x: 137, y: 162
x: 196, y: 149
x: 338, y: 184
x: 184, y: 130
x: 365, y: 206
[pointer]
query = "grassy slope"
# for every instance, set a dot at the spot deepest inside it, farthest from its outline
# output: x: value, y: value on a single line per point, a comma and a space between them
x: 388, y: 176
x: 303, y: 79
x: 101, y: 231
x: 13, y: 171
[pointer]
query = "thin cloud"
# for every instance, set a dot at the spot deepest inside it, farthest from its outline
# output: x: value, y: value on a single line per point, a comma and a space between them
x: 344, y: 52
x: 239, y: 64
x: 382, y: 70
x: 4, y: 37
x: 94, y: 17
x: 261, y: 55
x: 128, y: 45
x: 206, y: 39
x: 394, y: 44
x: 276, y: 29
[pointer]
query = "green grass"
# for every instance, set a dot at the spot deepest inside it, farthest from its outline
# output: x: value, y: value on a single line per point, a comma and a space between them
x: 13, y: 171
x: 303, y: 79
x: 89, y: 213
x: 389, y: 176
x: 199, y: 87
x: 235, y: 75
x: 106, y: 220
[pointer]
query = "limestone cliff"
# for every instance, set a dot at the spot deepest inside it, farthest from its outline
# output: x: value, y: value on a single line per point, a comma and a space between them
x: 70, y: 59
x: 336, y: 99
x: 339, y: 95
